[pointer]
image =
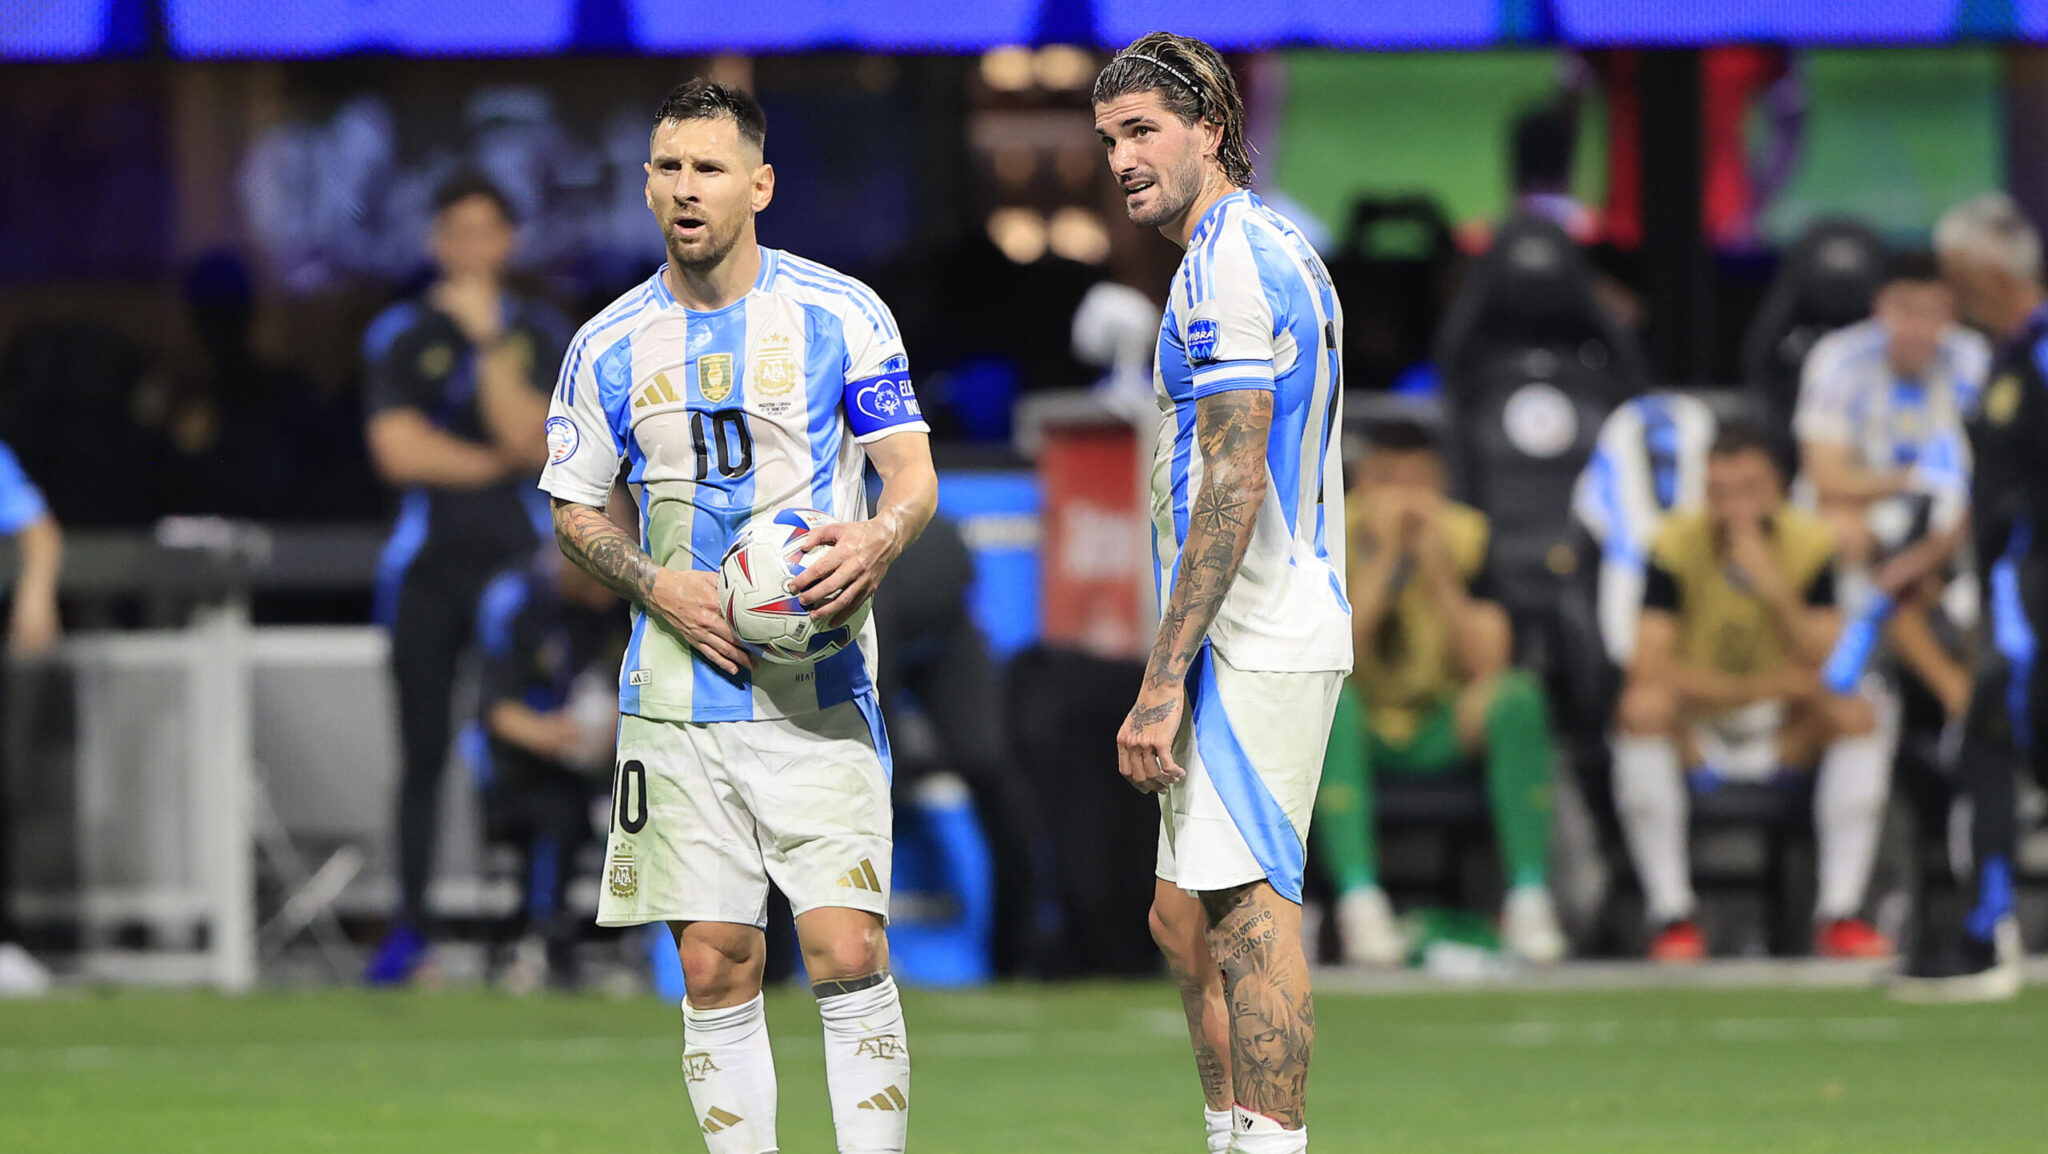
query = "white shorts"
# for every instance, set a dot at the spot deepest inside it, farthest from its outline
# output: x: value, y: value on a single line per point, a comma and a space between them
x: 1742, y: 744
x: 704, y: 816
x: 1252, y: 745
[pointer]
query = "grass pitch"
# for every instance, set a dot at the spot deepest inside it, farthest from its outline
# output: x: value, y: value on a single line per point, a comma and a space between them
x: 1029, y: 1070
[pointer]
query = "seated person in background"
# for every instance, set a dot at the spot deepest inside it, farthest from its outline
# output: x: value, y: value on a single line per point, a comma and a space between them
x: 1880, y: 428
x: 1738, y: 616
x: 1431, y: 690
x: 551, y: 639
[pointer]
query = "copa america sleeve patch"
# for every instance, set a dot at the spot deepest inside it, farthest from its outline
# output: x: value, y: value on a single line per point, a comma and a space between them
x: 884, y: 402
x: 1202, y: 340
x: 562, y: 439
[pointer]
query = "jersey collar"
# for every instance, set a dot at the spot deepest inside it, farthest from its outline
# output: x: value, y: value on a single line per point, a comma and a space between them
x: 770, y: 260
x: 1216, y: 211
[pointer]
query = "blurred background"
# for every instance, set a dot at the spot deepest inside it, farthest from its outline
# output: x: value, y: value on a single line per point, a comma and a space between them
x: 1536, y: 212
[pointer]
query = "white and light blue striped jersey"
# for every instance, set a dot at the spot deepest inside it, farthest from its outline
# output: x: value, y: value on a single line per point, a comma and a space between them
x: 1849, y: 396
x: 1650, y: 458
x: 723, y: 416
x: 1252, y: 308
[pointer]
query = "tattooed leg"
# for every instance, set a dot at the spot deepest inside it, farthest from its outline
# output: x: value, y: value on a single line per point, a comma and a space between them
x: 1178, y: 926
x: 1255, y: 936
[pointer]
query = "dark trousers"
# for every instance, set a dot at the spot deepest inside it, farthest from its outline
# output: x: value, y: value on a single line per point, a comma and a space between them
x: 2006, y: 731
x: 436, y: 615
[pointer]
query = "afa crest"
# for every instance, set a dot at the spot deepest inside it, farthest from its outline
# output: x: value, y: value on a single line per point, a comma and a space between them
x: 622, y: 873
x: 775, y: 367
x: 714, y: 376
x: 2002, y: 400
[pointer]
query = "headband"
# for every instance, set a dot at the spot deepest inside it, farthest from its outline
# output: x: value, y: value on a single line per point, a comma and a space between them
x: 1170, y: 70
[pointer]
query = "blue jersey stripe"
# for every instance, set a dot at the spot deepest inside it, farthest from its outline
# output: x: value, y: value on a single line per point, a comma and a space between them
x: 1272, y: 838
x: 1289, y: 297
x: 723, y: 504
x: 824, y: 358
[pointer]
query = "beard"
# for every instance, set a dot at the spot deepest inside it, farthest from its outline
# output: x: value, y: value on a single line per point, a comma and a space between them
x: 1172, y: 193
x: 701, y: 255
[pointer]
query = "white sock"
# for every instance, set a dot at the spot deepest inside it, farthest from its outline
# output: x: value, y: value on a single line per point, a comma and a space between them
x: 867, y: 1068
x: 1217, y: 1124
x: 1848, y: 817
x: 731, y: 1076
x: 1257, y: 1134
x: 1649, y: 792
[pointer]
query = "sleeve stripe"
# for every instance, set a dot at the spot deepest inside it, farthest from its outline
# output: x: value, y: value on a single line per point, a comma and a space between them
x: 1233, y: 370
x: 1234, y: 384
x: 811, y: 274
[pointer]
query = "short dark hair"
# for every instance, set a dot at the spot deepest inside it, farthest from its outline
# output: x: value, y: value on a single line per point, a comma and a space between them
x: 1741, y: 436
x: 1193, y: 81
x: 1399, y: 435
x: 701, y: 99
x: 1915, y: 265
x: 469, y: 183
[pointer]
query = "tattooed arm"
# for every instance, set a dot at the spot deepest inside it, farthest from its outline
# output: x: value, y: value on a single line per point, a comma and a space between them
x: 1232, y: 429
x: 685, y: 602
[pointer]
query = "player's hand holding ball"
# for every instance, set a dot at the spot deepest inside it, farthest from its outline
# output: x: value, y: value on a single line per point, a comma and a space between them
x: 764, y: 576
x: 846, y: 577
x: 689, y: 601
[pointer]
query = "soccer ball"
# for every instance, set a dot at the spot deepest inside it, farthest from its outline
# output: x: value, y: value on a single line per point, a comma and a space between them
x: 756, y: 589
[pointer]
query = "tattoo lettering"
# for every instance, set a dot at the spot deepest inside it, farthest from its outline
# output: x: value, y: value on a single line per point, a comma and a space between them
x: 1266, y: 988
x: 600, y: 548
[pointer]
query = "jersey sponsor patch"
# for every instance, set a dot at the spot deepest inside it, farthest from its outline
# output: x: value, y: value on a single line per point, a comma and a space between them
x: 640, y: 677
x: 1202, y: 340
x: 562, y: 439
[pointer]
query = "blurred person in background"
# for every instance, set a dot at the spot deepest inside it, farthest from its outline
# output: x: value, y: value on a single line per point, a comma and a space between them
x: 1880, y: 428
x: 32, y: 630
x: 1739, y: 612
x: 551, y: 637
x: 1990, y: 256
x: 457, y: 392
x: 1431, y: 692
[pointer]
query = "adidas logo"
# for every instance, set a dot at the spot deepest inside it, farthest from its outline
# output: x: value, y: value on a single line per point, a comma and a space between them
x: 721, y: 1119
x: 862, y: 877
x: 658, y: 392
x: 890, y: 1099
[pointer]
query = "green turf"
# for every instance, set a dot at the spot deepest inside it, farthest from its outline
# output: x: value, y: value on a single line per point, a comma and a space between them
x: 1015, y: 1070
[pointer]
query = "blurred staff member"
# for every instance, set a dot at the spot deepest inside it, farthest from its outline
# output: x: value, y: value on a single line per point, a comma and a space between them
x: 551, y: 639
x: 1430, y: 691
x: 1991, y: 256
x: 1880, y: 428
x: 457, y: 391
x: 32, y: 629
x: 1738, y: 615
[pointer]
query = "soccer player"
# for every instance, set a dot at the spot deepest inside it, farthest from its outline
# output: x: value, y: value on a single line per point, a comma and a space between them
x: 1991, y: 256
x: 456, y: 387
x: 1880, y: 427
x: 1738, y: 615
x: 1248, y: 530
x: 736, y: 381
